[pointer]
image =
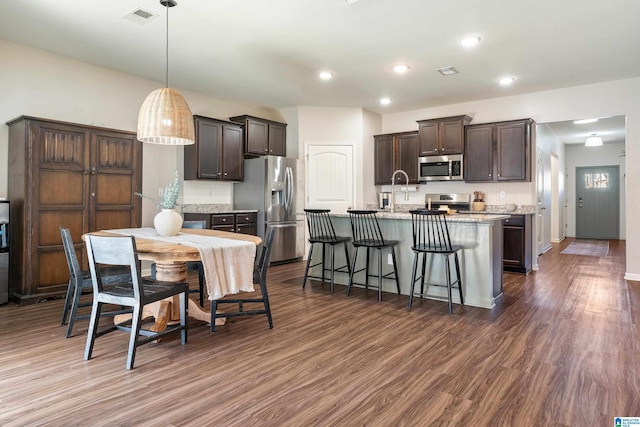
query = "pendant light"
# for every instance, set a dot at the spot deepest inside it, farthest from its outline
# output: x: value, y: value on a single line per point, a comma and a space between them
x: 593, y: 141
x: 165, y: 117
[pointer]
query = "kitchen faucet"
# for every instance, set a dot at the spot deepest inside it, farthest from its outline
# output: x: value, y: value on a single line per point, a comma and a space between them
x: 392, y: 203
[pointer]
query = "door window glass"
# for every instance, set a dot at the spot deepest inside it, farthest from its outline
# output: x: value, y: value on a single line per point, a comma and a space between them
x: 596, y: 180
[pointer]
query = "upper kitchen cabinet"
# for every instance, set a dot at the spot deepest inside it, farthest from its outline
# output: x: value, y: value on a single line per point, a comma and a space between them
x: 263, y: 137
x: 396, y: 151
x: 443, y: 136
x: 498, y: 151
x: 217, y: 153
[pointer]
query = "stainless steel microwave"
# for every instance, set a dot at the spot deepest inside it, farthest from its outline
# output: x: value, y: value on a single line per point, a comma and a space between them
x: 440, y: 168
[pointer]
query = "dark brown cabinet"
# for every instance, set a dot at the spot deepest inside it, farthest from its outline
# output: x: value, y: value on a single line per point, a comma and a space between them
x: 263, y: 137
x: 217, y: 153
x: 517, y: 244
x: 243, y: 222
x: 395, y: 151
x: 443, y: 136
x: 498, y: 151
x: 63, y: 174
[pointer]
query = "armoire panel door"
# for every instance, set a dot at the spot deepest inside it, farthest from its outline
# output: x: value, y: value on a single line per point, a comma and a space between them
x: 114, y: 179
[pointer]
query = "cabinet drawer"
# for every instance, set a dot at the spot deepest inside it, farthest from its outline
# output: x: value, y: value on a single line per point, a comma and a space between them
x: 246, y: 218
x: 515, y: 221
x: 226, y: 219
x: 229, y: 228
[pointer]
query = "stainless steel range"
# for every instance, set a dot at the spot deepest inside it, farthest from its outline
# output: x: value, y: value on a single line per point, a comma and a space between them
x: 457, y: 201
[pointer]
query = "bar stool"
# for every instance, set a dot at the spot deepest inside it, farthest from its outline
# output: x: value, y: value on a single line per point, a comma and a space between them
x: 321, y: 231
x: 431, y: 236
x: 366, y: 233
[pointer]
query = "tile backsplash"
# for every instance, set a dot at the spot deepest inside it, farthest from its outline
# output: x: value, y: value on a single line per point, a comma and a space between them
x: 207, y: 192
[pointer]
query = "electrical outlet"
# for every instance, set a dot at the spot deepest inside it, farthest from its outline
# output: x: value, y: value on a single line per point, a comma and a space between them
x: 389, y: 259
x: 503, y: 194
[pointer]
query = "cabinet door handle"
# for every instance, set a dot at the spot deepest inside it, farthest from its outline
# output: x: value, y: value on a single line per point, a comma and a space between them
x: 489, y: 175
x: 224, y: 219
x: 225, y: 174
x: 266, y: 149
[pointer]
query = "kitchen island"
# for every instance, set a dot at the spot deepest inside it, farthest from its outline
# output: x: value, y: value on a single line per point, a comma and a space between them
x: 480, y: 260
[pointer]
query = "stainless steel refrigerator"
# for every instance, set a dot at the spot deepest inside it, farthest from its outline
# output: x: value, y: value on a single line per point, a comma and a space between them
x: 270, y: 187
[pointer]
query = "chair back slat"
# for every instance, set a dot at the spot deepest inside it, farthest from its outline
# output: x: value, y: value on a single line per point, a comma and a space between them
x: 75, y: 272
x: 430, y: 231
x: 365, y: 227
x: 263, y: 264
x: 320, y: 225
x: 113, y: 250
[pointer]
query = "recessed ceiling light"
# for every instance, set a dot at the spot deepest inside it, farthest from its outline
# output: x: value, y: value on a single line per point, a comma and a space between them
x: 584, y: 121
x: 401, y: 68
x: 470, y: 41
x: 506, y: 81
x: 385, y: 101
x: 325, y: 75
x: 447, y: 71
x: 350, y: 1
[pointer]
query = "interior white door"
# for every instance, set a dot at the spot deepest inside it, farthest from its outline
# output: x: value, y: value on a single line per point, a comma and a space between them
x: 330, y: 177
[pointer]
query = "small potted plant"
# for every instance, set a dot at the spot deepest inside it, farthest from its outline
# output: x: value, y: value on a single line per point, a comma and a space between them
x: 167, y: 222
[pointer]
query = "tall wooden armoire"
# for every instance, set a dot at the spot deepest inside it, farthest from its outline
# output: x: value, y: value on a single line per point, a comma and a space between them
x: 64, y: 174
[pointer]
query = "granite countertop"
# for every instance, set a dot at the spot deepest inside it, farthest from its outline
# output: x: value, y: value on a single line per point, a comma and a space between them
x: 214, y: 209
x: 457, y: 217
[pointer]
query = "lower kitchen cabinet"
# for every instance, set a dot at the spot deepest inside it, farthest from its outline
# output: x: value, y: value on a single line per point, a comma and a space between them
x: 244, y: 222
x: 517, y: 244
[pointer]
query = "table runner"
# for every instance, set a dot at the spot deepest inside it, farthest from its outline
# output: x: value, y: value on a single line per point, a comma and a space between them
x: 228, y: 263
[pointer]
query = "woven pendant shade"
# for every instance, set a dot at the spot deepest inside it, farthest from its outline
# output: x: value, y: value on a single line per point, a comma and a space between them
x: 165, y: 118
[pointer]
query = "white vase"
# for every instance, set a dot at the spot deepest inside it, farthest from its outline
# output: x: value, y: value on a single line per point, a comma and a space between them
x: 167, y: 222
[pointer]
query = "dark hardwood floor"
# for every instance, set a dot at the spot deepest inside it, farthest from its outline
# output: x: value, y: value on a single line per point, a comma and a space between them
x: 562, y: 348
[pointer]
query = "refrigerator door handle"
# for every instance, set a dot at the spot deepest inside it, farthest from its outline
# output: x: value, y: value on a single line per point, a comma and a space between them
x: 288, y: 187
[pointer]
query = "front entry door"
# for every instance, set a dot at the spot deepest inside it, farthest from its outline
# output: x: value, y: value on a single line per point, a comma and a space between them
x: 598, y: 202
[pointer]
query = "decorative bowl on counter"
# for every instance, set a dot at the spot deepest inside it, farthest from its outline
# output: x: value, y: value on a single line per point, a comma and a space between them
x: 510, y: 207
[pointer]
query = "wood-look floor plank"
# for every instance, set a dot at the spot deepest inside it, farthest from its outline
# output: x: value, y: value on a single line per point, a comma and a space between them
x: 561, y: 348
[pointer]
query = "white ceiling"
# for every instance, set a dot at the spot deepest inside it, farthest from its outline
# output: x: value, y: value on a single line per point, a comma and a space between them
x: 268, y: 52
x: 610, y: 129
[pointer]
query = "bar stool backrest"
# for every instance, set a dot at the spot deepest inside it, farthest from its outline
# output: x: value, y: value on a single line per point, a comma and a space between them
x: 320, y: 226
x: 430, y: 231
x: 365, y: 228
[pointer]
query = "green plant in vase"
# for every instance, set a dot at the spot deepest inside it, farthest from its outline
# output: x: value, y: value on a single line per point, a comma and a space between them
x: 167, y: 222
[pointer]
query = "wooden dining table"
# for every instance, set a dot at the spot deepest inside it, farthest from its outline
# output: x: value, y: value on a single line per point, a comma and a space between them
x: 171, y: 265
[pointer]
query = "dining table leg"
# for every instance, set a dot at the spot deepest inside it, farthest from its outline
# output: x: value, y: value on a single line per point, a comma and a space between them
x: 177, y: 272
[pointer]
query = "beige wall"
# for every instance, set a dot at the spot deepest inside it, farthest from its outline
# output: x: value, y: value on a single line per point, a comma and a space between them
x: 598, y: 100
x: 40, y: 84
x: 37, y: 83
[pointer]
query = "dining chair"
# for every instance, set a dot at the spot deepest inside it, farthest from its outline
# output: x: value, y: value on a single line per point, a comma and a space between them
x: 321, y: 231
x: 80, y: 280
x: 259, y: 278
x: 431, y: 236
x: 191, y: 265
x: 367, y: 234
x: 135, y: 292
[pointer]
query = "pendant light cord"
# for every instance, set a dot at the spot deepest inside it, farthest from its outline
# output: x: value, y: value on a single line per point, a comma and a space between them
x: 166, y: 72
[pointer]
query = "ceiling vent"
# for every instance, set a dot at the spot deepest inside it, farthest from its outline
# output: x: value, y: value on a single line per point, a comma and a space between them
x: 447, y: 71
x: 140, y: 16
